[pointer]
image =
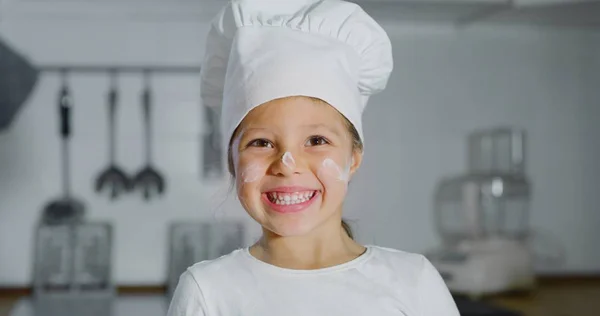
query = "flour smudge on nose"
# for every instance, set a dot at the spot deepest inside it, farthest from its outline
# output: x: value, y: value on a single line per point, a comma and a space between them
x: 288, y: 160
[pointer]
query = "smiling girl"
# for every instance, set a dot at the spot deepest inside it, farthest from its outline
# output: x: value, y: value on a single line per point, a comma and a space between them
x: 293, y: 78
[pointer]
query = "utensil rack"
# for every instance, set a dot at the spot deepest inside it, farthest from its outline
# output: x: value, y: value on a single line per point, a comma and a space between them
x: 212, y: 162
x: 155, y: 69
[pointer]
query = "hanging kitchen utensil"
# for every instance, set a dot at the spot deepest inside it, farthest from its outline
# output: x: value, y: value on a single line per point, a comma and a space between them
x: 66, y: 209
x: 149, y: 180
x: 113, y: 177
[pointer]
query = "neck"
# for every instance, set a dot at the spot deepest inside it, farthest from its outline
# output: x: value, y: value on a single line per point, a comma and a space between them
x: 326, y: 246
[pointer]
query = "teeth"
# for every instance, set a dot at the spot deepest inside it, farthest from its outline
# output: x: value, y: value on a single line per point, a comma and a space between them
x: 290, y: 198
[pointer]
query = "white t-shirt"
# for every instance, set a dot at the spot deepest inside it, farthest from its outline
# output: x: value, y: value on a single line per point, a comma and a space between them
x: 381, y: 282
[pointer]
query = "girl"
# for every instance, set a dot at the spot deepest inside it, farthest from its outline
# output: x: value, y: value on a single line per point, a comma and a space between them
x: 292, y: 78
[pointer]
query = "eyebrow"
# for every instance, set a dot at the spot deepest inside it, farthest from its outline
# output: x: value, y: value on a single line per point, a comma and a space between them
x: 315, y: 126
x: 308, y: 126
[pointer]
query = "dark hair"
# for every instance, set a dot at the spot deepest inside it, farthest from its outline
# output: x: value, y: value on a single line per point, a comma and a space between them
x: 356, y: 145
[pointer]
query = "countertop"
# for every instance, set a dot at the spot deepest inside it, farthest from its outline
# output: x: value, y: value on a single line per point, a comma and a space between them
x: 556, y: 297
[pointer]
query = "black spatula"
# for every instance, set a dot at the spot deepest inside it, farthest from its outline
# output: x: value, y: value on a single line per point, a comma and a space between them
x: 65, y: 210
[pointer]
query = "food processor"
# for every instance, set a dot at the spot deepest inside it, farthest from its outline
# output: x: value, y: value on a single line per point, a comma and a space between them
x: 482, y: 217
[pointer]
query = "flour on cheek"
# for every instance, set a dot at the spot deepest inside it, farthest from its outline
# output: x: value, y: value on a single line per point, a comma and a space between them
x: 331, y: 171
x: 251, y: 173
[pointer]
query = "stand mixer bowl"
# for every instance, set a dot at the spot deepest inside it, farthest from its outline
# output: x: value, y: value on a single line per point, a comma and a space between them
x: 477, y: 206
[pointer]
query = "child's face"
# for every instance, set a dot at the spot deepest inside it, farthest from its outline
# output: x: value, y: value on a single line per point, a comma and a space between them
x: 292, y: 159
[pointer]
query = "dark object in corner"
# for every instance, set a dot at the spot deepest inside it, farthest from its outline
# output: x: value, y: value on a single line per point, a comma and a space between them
x: 17, y: 79
x: 468, y: 307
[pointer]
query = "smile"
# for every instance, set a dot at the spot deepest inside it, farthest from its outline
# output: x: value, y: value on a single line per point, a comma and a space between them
x: 281, y: 198
x: 288, y: 200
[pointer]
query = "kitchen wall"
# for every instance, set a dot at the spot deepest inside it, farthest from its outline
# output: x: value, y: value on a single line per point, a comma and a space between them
x: 446, y: 82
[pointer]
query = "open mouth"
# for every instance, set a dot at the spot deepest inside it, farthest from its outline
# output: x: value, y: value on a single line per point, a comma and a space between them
x: 290, y: 198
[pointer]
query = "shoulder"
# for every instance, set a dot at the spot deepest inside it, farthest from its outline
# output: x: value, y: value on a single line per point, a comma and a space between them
x: 415, y: 273
x: 396, y: 256
x: 399, y: 260
x: 409, y: 268
x: 217, y: 276
x: 207, y: 270
x: 218, y: 268
x: 198, y: 283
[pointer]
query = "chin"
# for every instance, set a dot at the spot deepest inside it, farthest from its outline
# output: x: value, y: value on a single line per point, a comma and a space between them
x: 291, y: 229
x: 292, y: 224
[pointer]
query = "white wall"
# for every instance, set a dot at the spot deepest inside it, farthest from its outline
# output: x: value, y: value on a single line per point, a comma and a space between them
x: 446, y: 83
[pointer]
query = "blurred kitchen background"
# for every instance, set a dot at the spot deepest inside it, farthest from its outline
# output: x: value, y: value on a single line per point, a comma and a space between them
x: 520, y: 79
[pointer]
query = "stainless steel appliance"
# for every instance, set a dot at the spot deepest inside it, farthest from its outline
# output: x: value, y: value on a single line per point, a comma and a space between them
x: 483, y: 218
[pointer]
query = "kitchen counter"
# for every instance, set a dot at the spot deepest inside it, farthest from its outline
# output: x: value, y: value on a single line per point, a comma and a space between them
x: 553, y: 297
x: 556, y: 297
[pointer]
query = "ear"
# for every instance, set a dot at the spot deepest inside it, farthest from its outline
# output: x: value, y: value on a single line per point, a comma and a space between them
x: 357, y: 156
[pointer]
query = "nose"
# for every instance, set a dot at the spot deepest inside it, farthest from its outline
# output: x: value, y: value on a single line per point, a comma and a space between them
x: 286, y: 164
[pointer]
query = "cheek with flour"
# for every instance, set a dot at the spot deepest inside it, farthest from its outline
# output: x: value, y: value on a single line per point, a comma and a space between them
x: 330, y: 171
x: 251, y: 173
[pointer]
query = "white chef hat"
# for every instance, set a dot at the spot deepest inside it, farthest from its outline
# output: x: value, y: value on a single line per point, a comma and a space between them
x: 261, y: 50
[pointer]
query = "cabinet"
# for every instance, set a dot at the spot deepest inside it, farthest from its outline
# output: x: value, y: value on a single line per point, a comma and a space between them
x: 558, y: 13
x: 130, y: 10
x: 524, y: 3
x: 432, y: 11
x: 553, y: 13
x: 580, y: 13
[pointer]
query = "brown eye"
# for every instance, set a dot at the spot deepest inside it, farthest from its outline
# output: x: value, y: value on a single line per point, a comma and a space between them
x: 260, y: 143
x: 316, y: 141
